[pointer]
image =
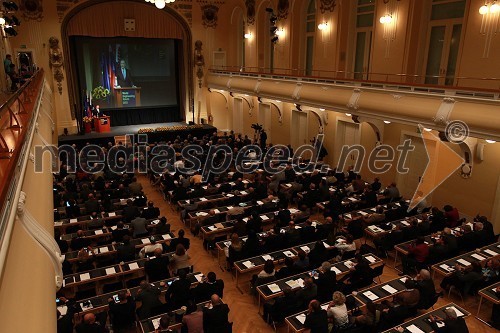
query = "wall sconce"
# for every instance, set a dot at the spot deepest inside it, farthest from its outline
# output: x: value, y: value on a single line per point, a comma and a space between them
x: 248, y: 35
x: 389, y: 22
x: 280, y: 32
x: 323, y: 26
x: 490, y: 141
x: 490, y: 12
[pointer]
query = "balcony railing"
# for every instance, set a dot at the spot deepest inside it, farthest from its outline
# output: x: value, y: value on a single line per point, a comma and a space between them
x: 463, y: 83
x: 16, y: 127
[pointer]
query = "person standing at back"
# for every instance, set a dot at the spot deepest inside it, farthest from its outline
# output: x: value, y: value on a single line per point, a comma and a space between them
x: 215, y: 316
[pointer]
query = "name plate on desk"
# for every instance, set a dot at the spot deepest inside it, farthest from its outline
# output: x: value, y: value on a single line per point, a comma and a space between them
x: 128, y: 97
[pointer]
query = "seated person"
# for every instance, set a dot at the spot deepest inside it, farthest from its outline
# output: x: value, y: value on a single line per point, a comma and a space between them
x: 425, y: 286
x: 308, y: 292
x: 337, y: 310
x: 418, y: 253
x: 156, y: 268
x: 302, y: 262
x: 125, y: 251
x: 149, y: 249
x: 282, y: 307
x: 122, y: 313
x: 316, y: 318
x: 150, y: 212
x: 326, y: 281
x: 207, y: 287
x: 180, y: 260
x: 463, y: 278
x: 452, y: 323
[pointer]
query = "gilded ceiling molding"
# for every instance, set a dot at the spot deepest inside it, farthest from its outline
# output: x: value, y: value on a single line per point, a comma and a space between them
x: 327, y: 5
x: 199, y: 61
x: 250, y: 4
x: 31, y: 9
x: 56, y: 62
x: 283, y: 6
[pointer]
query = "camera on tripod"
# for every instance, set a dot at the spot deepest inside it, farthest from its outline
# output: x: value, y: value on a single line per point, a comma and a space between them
x: 257, y: 127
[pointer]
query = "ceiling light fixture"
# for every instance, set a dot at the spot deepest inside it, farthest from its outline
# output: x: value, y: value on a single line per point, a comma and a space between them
x: 323, y: 26
x: 248, y: 35
x: 427, y: 129
x: 490, y: 141
x: 348, y: 114
x: 387, y: 122
x: 160, y: 4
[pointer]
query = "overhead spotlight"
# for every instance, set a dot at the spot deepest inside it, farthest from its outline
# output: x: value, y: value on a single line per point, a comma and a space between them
x: 10, y: 5
x: 10, y: 31
x: 387, y: 122
x: 274, y: 39
x: 269, y: 10
x: 15, y: 20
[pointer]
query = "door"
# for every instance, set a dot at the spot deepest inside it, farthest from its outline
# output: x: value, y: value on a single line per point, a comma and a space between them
x: 362, y: 56
x: 416, y: 163
x: 238, y: 115
x: 348, y: 135
x: 442, y: 54
x: 265, y: 119
x: 299, y: 129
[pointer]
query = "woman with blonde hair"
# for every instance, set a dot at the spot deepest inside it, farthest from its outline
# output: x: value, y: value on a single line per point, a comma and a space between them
x: 180, y: 259
x: 337, y: 310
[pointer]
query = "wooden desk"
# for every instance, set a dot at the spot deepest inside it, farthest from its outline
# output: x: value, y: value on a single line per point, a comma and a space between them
x: 422, y: 321
x: 124, y: 92
x: 489, y: 294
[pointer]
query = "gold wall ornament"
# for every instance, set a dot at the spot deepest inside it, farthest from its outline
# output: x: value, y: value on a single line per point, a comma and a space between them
x: 283, y: 6
x: 327, y: 5
x: 31, y: 9
x: 250, y: 4
x: 209, y: 15
x: 199, y: 61
x: 56, y: 62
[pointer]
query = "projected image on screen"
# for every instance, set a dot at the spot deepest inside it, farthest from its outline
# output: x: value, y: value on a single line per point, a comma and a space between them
x: 127, y: 72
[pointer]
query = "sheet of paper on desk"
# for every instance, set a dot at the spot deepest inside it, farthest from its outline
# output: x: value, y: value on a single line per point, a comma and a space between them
x: 405, y: 223
x: 274, y: 288
x: 306, y: 249
x: 229, y: 195
x: 301, y: 318
x: 166, y: 237
x: 58, y: 224
x: 439, y: 324
x: 478, y: 257
x: 349, y: 216
x: 245, y: 219
x: 403, y: 279
x: 73, y: 220
x: 363, y: 213
x: 348, y: 263
x: 110, y: 271
x: 267, y: 257
x: 371, y: 296
x: 203, y: 199
x: 351, y: 199
x: 447, y: 268
x: 327, y: 245
x: 133, y: 265
x: 389, y: 289
x: 248, y: 264
x: 292, y: 284
x: 463, y: 262
x: 490, y: 252
x: 336, y: 270
x: 103, y: 249
x: 373, y: 209
x: 216, y: 211
x: 229, y: 207
x: 458, y: 312
x: 219, y: 225
x: 288, y: 185
x: 244, y: 192
x: 199, y: 277
x: 300, y: 282
x: 212, y: 228
x: 86, y: 306
x: 414, y: 329
x: 260, y: 203
x: 288, y: 253
x: 85, y: 277
x: 371, y: 259
x: 264, y: 217
x: 156, y: 323
x: 112, y: 214
x: 98, y: 232
x: 202, y: 214
x: 145, y: 241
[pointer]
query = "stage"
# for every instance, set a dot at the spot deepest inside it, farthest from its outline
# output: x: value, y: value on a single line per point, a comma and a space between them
x: 170, y: 134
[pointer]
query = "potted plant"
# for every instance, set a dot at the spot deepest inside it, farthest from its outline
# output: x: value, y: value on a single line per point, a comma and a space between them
x: 100, y: 95
x: 87, y: 123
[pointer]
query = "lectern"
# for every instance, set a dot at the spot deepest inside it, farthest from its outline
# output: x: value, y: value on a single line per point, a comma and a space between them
x: 102, y: 124
x: 127, y: 96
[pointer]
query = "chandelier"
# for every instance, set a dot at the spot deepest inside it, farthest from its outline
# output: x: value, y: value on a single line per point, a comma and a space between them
x: 160, y: 4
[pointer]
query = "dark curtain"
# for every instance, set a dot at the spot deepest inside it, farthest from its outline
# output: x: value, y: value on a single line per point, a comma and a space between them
x: 124, y: 117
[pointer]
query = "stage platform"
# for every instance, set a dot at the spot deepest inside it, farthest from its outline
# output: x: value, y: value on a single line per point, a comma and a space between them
x: 104, y: 138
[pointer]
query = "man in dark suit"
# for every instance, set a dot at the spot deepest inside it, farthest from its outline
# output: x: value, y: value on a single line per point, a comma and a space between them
x: 119, y: 232
x: 215, y: 316
x: 122, y: 313
x: 126, y: 251
x: 179, y: 293
x: 149, y: 298
x: 209, y: 287
x: 131, y: 211
x: 151, y: 212
x: 123, y: 76
x: 316, y: 318
x: 157, y: 267
x: 425, y: 285
x: 327, y: 282
x: 452, y: 323
x: 179, y: 240
x: 79, y: 242
x: 91, y: 205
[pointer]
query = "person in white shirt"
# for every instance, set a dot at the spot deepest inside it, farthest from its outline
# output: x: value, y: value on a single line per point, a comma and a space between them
x: 345, y: 244
x: 338, y: 310
x: 150, y: 249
